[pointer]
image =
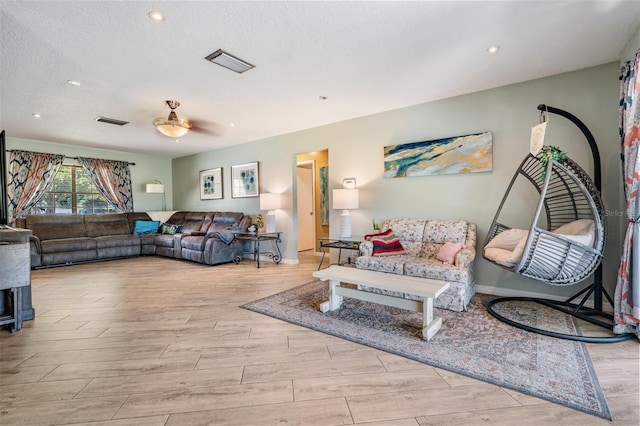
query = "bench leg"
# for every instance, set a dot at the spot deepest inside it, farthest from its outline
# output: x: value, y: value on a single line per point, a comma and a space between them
x: 430, y: 324
x: 335, y: 300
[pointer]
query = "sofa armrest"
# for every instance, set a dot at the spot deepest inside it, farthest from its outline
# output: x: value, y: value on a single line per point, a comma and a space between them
x: 465, y: 257
x: 35, y: 243
x: 366, y: 248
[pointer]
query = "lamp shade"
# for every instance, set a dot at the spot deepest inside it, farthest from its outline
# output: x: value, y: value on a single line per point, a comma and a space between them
x: 154, y: 188
x: 346, y: 199
x: 270, y: 201
x: 173, y: 129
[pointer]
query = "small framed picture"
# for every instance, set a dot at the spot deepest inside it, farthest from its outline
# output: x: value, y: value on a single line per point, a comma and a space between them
x: 211, y: 184
x: 245, y: 180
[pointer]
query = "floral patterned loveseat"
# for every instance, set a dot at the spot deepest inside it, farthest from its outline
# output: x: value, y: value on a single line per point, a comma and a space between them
x: 422, y: 240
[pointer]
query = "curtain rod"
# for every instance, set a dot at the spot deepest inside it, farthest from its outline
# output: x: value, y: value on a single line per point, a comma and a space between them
x: 75, y: 158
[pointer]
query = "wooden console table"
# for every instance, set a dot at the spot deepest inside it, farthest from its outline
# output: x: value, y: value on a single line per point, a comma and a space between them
x: 256, y: 238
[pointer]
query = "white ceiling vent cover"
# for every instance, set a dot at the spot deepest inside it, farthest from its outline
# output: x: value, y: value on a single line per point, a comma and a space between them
x: 229, y: 61
x: 107, y: 120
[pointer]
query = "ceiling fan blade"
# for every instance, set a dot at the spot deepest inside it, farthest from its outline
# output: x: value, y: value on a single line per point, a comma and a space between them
x: 207, y: 128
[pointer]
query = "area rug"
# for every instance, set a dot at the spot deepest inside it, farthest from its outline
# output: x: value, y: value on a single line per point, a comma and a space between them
x: 471, y: 343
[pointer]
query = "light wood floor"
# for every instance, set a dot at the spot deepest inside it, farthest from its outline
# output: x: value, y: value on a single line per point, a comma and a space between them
x: 156, y: 341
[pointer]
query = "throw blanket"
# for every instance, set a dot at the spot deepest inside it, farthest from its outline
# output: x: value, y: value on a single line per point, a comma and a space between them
x: 226, y: 236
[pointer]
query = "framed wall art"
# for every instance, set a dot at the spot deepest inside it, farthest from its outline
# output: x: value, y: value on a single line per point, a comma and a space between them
x: 459, y: 154
x: 211, y: 184
x: 245, y: 180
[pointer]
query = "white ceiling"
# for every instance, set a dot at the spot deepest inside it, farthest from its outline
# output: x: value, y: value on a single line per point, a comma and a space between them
x: 365, y: 57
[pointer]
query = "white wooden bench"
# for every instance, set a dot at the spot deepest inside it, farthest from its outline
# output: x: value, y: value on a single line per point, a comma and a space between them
x: 426, y: 289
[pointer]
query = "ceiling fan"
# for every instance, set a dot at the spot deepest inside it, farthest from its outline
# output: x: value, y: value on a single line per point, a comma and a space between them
x: 173, y: 126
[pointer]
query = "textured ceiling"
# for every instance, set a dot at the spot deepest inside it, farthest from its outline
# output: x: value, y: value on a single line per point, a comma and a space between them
x: 365, y: 57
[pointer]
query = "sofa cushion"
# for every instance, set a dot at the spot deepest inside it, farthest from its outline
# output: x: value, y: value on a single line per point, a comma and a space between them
x: 392, y: 264
x: 193, y: 242
x: 448, y: 251
x: 67, y: 244
x: 435, y: 270
x: 164, y: 240
x: 385, y: 243
x: 125, y: 240
x: 106, y: 224
x: 56, y: 226
x: 146, y: 227
x: 440, y: 231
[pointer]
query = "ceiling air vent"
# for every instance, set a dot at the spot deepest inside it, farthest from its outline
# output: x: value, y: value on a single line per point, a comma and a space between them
x: 229, y: 61
x: 108, y: 120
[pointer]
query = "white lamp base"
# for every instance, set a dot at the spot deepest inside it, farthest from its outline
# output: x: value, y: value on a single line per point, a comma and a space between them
x: 271, y: 221
x: 345, y: 224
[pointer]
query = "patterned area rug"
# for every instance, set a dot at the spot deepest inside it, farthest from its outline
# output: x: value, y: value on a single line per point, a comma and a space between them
x: 471, y: 343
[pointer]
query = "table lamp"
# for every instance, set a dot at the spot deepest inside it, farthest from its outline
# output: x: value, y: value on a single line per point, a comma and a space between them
x: 270, y: 202
x: 345, y: 200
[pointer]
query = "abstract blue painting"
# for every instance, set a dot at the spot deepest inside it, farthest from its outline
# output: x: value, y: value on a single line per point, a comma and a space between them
x: 461, y: 154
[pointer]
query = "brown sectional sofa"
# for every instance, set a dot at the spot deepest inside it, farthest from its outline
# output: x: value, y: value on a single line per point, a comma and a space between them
x: 205, y: 237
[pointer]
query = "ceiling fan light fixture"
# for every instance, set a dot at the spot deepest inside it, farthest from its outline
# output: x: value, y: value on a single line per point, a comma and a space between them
x: 172, y: 126
x: 229, y: 61
x: 173, y: 129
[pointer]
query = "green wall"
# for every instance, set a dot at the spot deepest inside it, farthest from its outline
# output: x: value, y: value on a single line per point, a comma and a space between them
x: 356, y: 150
x: 147, y: 168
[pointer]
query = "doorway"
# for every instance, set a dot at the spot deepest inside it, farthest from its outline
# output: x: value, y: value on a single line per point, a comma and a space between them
x: 306, y: 205
x: 312, y: 213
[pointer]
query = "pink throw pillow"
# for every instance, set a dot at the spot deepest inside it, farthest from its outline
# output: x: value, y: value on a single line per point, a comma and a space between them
x: 448, y: 251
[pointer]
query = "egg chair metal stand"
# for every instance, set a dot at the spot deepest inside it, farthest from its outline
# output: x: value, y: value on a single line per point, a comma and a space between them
x: 567, y: 193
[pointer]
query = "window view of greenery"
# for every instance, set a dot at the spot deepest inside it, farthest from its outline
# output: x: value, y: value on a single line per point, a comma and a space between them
x: 72, y: 192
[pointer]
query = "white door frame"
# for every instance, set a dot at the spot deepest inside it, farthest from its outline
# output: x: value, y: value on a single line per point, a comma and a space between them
x: 313, y: 198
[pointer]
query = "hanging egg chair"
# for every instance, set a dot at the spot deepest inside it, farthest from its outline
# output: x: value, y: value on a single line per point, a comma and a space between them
x: 565, y: 241
x: 566, y: 244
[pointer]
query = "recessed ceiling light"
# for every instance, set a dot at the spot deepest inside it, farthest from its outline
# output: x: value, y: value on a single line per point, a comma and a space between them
x: 73, y: 82
x: 156, y: 16
x: 493, y: 49
x: 232, y: 124
x: 323, y: 98
x: 35, y: 115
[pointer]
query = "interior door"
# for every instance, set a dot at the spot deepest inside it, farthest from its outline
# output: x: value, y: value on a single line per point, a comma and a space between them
x: 306, y: 216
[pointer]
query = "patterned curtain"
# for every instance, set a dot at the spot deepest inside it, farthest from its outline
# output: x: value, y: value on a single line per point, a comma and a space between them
x: 627, y: 295
x: 113, y: 180
x: 30, y: 177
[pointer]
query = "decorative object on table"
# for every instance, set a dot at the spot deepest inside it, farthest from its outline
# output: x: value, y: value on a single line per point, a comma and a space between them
x: 345, y: 200
x: 375, y: 225
x: 324, y: 195
x: 245, y: 180
x: 462, y: 154
x: 211, y: 184
x: 471, y: 343
x: 157, y: 188
x: 253, y: 228
x: 259, y: 222
x: 270, y: 202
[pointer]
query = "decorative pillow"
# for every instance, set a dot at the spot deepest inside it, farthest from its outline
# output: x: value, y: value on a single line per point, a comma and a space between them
x: 145, y: 227
x: 385, y: 243
x: 448, y: 251
x: 171, y: 229
x: 507, y: 240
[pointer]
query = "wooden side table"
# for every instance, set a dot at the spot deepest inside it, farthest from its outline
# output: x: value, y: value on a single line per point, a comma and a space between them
x: 256, y: 238
x: 351, y: 243
x: 15, y: 275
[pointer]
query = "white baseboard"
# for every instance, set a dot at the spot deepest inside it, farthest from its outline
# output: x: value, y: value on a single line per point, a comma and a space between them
x: 508, y: 292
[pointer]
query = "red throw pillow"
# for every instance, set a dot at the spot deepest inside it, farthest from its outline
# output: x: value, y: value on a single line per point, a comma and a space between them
x: 385, y: 243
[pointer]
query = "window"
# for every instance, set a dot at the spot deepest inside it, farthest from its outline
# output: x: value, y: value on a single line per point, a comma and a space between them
x: 72, y: 192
